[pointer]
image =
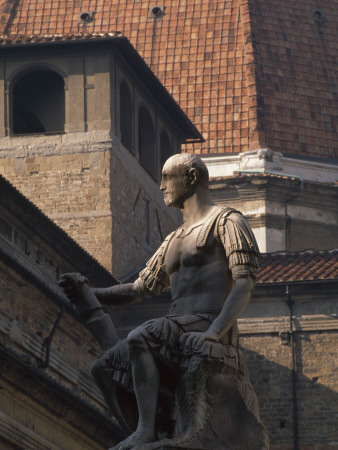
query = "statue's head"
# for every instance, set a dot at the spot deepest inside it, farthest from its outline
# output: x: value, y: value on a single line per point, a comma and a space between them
x: 182, y: 175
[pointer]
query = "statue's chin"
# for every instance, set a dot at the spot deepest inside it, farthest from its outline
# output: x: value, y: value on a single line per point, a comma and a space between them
x: 169, y: 202
x: 172, y: 204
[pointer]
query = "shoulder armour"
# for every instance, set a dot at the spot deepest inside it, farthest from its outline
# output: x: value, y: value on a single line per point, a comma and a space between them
x: 208, y: 224
x: 238, y: 240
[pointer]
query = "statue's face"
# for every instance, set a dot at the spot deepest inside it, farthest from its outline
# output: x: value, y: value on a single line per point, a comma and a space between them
x: 174, y: 185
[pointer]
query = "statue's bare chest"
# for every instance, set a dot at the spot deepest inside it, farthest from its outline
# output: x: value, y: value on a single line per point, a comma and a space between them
x: 182, y: 251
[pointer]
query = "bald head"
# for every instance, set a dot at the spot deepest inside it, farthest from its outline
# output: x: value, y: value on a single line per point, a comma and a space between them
x: 187, y: 161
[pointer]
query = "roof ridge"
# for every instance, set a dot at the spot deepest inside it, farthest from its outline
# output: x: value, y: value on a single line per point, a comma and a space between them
x: 55, y: 36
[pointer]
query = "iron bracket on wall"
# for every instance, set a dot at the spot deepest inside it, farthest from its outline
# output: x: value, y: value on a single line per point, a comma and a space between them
x: 48, y: 341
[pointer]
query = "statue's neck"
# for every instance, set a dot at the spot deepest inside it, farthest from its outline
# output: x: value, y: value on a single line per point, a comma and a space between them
x: 197, y: 207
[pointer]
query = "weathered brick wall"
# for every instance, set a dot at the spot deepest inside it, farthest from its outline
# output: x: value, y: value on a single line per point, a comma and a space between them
x: 316, y: 359
x: 72, y: 189
x: 97, y: 199
x: 48, y: 397
x: 26, y: 320
x: 270, y: 365
x: 270, y: 373
x: 29, y: 312
x: 131, y: 221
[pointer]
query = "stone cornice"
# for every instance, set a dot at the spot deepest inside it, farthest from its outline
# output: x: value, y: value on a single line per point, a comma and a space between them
x: 264, y: 160
x: 262, y: 187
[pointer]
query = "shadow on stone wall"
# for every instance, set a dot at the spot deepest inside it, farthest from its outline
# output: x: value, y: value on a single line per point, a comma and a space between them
x: 316, y: 403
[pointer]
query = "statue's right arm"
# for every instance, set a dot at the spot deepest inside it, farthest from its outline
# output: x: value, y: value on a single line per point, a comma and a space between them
x: 120, y: 294
x: 76, y: 288
x: 151, y: 281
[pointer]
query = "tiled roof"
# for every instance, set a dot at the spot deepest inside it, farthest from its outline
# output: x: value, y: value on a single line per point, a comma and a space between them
x: 296, y: 48
x: 246, y: 72
x: 299, y: 266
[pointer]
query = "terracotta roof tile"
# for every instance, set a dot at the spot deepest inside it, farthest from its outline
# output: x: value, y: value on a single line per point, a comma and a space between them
x: 273, y: 63
x: 299, y: 266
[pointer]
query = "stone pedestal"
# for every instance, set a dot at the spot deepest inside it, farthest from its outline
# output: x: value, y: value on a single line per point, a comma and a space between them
x: 215, y: 408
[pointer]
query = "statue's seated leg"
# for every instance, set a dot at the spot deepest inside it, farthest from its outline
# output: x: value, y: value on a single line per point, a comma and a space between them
x: 214, y: 404
x: 112, y: 374
x: 146, y: 381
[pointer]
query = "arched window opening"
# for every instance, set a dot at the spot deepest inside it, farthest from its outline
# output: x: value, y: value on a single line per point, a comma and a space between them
x: 126, y: 116
x: 39, y: 103
x: 166, y: 150
x: 146, y: 139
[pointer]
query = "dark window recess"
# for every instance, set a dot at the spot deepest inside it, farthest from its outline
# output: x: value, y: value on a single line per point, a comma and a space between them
x: 146, y: 140
x: 5, y: 230
x: 39, y: 103
x: 126, y: 116
x: 156, y: 11
x: 166, y: 150
x: 85, y: 17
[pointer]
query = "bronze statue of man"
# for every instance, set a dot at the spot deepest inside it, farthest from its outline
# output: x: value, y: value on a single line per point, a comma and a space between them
x: 210, y: 264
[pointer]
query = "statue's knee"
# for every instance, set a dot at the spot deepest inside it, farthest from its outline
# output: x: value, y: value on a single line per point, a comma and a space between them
x: 136, y: 341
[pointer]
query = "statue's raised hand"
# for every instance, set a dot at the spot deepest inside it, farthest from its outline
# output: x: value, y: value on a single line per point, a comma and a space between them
x: 75, y: 286
x: 71, y: 284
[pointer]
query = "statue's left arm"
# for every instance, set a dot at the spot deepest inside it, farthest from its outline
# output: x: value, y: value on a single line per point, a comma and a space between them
x: 241, y: 249
x: 236, y: 302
